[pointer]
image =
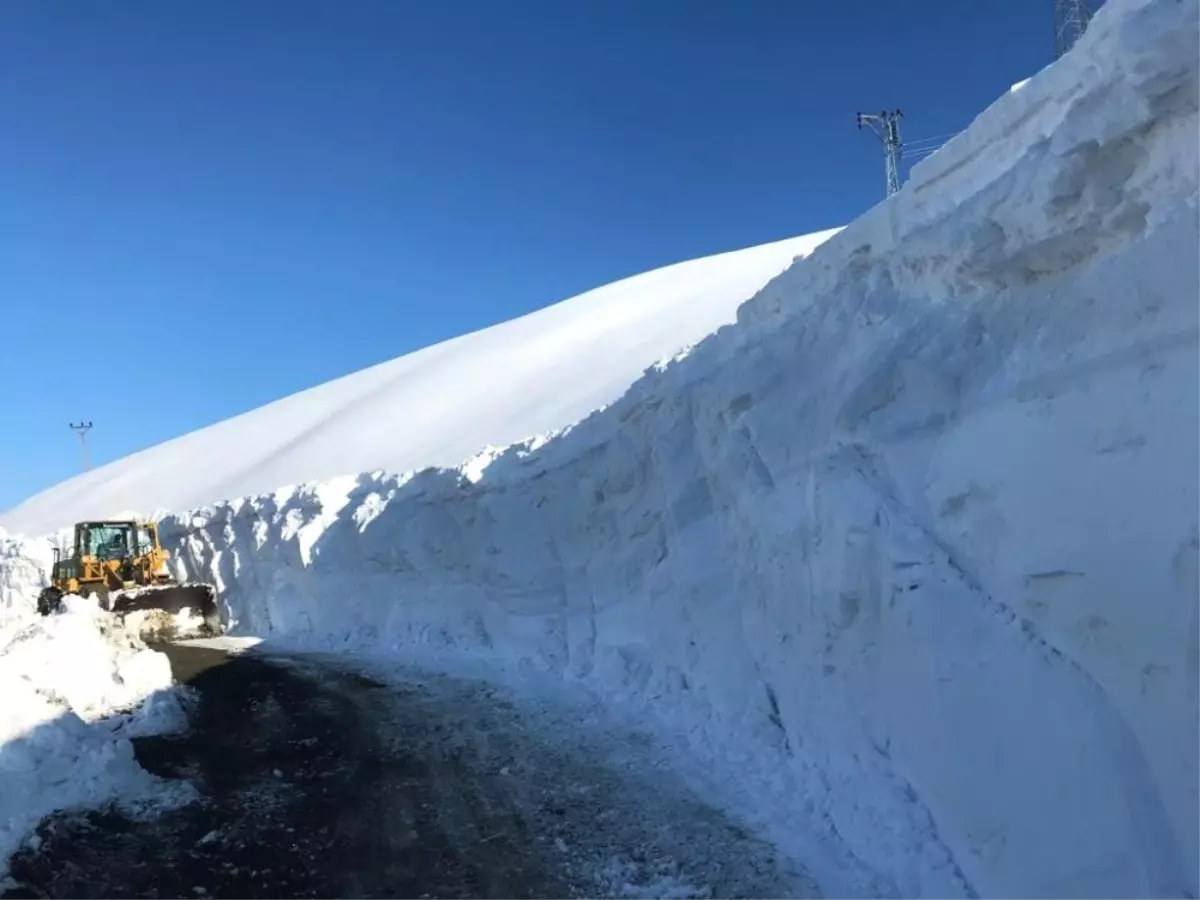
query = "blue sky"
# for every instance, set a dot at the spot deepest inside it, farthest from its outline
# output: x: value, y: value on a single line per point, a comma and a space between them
x: 207, y: 206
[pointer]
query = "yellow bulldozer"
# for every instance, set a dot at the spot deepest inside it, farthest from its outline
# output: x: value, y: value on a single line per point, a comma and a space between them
x: 125, y: 566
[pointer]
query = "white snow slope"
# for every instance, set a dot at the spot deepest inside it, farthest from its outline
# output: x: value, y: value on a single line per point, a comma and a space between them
x: 907, y: 557
x: 437, y: 406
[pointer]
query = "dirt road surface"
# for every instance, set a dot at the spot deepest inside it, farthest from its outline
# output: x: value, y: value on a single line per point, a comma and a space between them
x: 317, y: 781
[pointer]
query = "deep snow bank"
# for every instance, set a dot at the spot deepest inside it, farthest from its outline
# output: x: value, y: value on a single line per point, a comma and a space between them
x: 24, y: 565
x: 438, y: 405
x: 910, y: 554
x: 62, y: 678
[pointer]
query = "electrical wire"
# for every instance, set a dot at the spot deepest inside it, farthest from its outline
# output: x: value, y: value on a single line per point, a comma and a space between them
x: 936, y: 137
x: 918, y: 155
x: 914, y: 151
x: 910, y: 152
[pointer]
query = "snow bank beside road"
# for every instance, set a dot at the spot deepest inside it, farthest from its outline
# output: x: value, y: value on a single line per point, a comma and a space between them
x: 24, y: 567
x: 910, y: 555
x: 61, y: 679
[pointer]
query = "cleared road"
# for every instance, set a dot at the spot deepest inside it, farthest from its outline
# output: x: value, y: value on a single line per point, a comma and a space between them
x: 317, y: 781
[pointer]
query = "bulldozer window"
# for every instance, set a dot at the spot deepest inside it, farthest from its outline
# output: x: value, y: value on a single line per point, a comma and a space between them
x: 145, y: 541
x: 107, y: 541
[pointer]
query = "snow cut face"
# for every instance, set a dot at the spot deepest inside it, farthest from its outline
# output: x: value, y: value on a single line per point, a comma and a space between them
x: 437, y: 406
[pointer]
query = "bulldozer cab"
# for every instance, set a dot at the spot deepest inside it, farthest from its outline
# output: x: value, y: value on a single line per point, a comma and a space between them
x: 109, y: 555
x: 116, y: 540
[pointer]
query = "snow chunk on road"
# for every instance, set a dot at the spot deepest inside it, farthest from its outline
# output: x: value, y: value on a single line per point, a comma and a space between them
x: 62, y: 678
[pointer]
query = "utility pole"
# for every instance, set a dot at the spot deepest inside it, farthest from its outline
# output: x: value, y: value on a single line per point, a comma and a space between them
x: 1071, y: 18
x: 82, y: 429
x: 886, y: 127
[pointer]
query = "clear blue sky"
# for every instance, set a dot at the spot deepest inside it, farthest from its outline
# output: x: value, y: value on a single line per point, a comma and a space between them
x: 205, y: 206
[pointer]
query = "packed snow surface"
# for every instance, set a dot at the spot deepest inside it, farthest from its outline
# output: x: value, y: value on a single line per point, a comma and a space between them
x: 75, y: 687
x: 906, y: 559
x: 437, y: 406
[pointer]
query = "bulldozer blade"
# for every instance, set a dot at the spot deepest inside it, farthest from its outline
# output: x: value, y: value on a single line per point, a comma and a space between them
x: 170, y: 611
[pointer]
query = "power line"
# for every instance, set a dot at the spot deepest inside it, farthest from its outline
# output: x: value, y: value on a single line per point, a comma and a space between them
x: 908, y: 148
x: 941, y: 138
x: 917, y: 157
x: 1071, y: 18
x: 909, y: 152
x: 886, y: 127
x: 923, y: 148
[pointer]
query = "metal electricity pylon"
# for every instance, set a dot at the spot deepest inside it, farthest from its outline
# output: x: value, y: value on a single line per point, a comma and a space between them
x: 81, y: 429
x: 886, y: 126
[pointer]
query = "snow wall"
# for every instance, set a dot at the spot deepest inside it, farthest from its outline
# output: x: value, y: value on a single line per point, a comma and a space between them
x: 24, y: 566
x: 76, y: 687
x: 908, y: 554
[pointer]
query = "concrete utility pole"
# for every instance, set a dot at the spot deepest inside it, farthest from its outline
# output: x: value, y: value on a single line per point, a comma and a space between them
x: 82, y: 429
x: 1071, y: 18
x: 886, y: 127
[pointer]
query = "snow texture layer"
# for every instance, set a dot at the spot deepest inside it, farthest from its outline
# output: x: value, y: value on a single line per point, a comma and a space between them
x: 436, y: 406
x: 61, y: 679
x: 908, y: 556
